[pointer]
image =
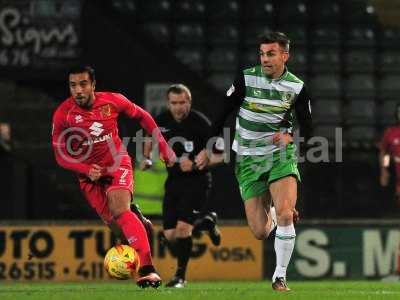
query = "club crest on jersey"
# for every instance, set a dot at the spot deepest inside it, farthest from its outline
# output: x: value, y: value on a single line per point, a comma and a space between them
x: 188, y: 146
x: 287, y: 98
x: 105, y: 110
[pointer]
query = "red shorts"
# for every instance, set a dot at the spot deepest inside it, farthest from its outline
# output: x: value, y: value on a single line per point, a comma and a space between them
x: 96, y: 192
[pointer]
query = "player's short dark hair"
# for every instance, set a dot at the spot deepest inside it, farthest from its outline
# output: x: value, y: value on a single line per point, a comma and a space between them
x: 179, y: 88
x: 83, y: 69
x: 275, y: 37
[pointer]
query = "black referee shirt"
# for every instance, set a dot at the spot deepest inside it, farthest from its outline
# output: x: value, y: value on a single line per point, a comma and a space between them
x: 192, y: 132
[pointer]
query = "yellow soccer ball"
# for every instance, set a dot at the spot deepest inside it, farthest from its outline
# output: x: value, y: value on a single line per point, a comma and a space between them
x: 121, y: 262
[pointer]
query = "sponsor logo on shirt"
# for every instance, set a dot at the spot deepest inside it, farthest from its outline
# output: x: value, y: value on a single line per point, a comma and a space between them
x: 96, y: 128
x: 257, y: 93
x: 98, y: 139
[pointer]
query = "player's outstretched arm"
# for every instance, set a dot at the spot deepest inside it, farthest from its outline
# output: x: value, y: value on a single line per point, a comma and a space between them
x: 147, y: 122
x: 233, y: 99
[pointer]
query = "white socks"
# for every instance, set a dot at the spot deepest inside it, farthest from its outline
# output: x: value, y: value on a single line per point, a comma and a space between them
x: 284, y: 245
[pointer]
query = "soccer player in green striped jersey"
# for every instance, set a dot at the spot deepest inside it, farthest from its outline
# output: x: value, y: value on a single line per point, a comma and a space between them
x: 269, y: 98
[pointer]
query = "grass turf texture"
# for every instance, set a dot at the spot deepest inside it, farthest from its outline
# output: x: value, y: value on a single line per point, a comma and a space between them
x: 205, y: 290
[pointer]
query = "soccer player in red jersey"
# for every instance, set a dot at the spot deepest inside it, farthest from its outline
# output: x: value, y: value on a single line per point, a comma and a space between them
x: 390, y: 151
x: 85, y: 140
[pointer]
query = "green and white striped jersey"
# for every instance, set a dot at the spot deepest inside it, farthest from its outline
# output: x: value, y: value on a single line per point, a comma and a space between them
x: 267, y: 106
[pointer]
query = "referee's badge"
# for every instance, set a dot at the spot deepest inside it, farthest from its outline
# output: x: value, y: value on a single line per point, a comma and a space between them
x: 188, y: 146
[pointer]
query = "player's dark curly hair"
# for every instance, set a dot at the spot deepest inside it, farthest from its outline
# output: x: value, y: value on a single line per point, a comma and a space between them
x: 83, y: 69
x: 275, y: 37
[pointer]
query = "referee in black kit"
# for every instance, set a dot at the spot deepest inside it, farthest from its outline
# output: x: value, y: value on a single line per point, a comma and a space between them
x: 186, y: 187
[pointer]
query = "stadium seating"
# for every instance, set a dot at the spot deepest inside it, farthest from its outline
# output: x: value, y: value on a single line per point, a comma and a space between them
x: 389, y: 61
x: 327, y: 112
x: 294, y: 10
x: 223, y: 34
x: 298, y: 60
x: 326, y: 35
x: 224, y: 9
x: 390, y: 37
x: 326, y: 85
x: 360, y: 137
x: 324, y: 11
x: 386, y: 111
x: 193, y: 58
x: 360, y: 112
x: 324, y: 60
x: 189, y: 9
x: 360, y: 85
x: 359, y: 60
x: 262, y: 10
x: 388, y: 85
x: 189, y: 33
x: 222, y: 59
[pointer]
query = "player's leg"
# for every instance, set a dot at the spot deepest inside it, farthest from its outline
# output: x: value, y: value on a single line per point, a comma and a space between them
x: 205, y: 219
x: 182, y: 239
x: 119, y: 196
x: 146, y: 222
x: 171, y: 202
x: 284, y: 195
x: 251, y: 173
x: 184, y: 196
x: 260, y: 216
x: 135, y: 233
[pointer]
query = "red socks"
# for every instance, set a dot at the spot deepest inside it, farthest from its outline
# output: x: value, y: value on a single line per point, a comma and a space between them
x: 135, y: 233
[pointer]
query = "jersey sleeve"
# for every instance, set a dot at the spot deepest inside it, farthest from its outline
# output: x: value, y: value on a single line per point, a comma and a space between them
x: 59, y: 134
x: 303, y: 114
x: 234, y: 97
x: 147, y: 122
x: 124, y: 105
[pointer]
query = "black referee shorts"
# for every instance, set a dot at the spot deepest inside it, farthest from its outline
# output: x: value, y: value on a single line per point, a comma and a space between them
x: 182, y: 196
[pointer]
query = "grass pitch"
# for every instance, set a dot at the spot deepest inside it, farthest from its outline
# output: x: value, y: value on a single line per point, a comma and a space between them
x: 321, y: 290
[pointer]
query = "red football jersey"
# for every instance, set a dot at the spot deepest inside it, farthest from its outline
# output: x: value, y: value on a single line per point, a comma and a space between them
x: 391, y: 142
x: 85, y: 136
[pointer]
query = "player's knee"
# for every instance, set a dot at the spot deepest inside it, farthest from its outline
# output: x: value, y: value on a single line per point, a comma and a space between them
x: 117, y: 204
x: 169, y: 235
x: 116, y: 212
x: 260, y: 235
x: 285, y: 216
x: 183, y: 230
x: 259, y: 232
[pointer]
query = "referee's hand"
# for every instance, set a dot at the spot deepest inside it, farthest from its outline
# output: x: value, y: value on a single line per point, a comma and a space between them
x: 186, y: 165
x: 145, y: 164
x: 201, y: 159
